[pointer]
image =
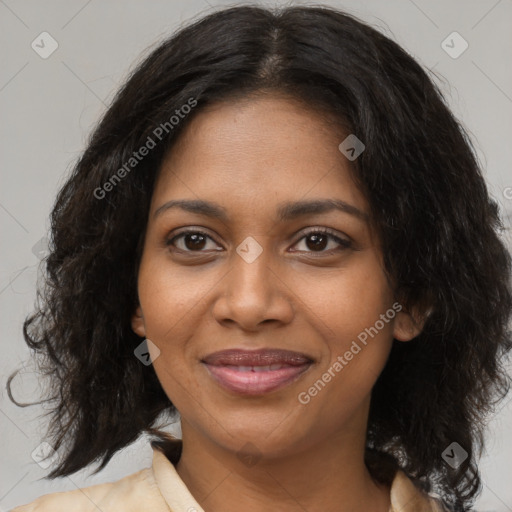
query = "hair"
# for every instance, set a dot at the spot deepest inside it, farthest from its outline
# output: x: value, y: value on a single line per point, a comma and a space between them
x: 438, y: 227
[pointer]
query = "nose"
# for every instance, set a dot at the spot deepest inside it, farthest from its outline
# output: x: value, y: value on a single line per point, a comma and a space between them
x: 253, y: 294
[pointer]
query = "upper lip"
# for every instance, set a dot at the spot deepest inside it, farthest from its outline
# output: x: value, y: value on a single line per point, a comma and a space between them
x: 261, y: 357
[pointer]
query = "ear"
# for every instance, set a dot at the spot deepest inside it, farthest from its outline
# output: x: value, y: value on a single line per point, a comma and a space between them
x: 408, y: 325
x: 138, y: 323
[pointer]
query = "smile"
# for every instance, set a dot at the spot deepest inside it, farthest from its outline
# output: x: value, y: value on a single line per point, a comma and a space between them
x: 256, y: 372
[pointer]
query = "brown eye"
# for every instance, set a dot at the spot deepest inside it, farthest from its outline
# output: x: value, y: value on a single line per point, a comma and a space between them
x: 191, y: 241
x: 194, y: 241
x: 318, y: 241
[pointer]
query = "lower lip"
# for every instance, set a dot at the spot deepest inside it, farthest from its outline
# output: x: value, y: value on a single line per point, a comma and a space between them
x: 255, y: 383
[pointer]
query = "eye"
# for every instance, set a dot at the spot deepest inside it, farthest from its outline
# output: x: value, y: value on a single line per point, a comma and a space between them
x: 192, y: 241
x: 317, y: 240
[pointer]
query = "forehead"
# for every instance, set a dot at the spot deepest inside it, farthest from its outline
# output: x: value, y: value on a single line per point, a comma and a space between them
x: 260, y: 150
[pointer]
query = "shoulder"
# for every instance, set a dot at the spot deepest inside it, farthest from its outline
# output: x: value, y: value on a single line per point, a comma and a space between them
x: 406, y: 497
x: 137, y: 492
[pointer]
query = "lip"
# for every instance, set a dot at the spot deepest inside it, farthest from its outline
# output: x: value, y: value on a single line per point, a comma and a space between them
x: 256, y: 372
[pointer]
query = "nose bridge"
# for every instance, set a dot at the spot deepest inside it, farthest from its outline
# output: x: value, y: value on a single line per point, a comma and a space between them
x: 253, y: 293
x: 251, y: 271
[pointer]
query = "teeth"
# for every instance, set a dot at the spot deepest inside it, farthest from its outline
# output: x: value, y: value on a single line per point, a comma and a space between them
x: 267, y: 368
x: 261, y: 368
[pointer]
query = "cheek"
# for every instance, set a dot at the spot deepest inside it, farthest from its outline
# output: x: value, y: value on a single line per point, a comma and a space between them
x: 170, y: 301
x: 348, y: 300
x: 353, y: 308
x: 170, y: 298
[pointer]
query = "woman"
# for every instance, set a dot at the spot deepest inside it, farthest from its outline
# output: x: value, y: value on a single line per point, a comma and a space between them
x: 280, y: 213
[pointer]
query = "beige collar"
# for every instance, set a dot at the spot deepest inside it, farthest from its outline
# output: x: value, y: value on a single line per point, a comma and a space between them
x: 404, y: 495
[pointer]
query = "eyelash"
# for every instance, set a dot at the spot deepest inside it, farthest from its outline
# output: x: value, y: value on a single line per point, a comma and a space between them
x: 345, y: 244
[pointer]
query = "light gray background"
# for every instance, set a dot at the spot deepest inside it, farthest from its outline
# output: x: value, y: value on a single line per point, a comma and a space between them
x: 48, y: 107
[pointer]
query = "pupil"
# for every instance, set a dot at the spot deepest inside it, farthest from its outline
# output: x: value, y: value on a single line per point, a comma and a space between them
x: 195, y: 241
x: 319, y: 242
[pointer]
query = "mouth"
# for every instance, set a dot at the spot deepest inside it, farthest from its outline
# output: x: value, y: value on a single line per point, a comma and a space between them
x: 256, y: 372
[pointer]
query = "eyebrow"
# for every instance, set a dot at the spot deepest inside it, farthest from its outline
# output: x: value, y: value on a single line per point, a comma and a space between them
x: 285, y: 212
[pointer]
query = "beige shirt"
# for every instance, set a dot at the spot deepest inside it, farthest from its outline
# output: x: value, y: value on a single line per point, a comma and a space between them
x: 160, y: 489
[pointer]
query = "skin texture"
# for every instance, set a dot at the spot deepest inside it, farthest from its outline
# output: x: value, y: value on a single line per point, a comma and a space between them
x: 250, y: 156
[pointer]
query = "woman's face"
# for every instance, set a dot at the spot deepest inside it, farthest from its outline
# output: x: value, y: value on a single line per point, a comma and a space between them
x: 261, y: 277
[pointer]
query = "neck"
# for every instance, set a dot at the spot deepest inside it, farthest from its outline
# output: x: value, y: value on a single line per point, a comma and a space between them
x: 316, y: 478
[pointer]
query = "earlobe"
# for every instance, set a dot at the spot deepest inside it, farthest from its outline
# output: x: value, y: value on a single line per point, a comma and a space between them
x: 407, y: 326
x: 138, y: 323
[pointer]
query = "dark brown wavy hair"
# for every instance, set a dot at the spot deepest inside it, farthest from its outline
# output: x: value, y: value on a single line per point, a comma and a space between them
x: 438, y: 226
